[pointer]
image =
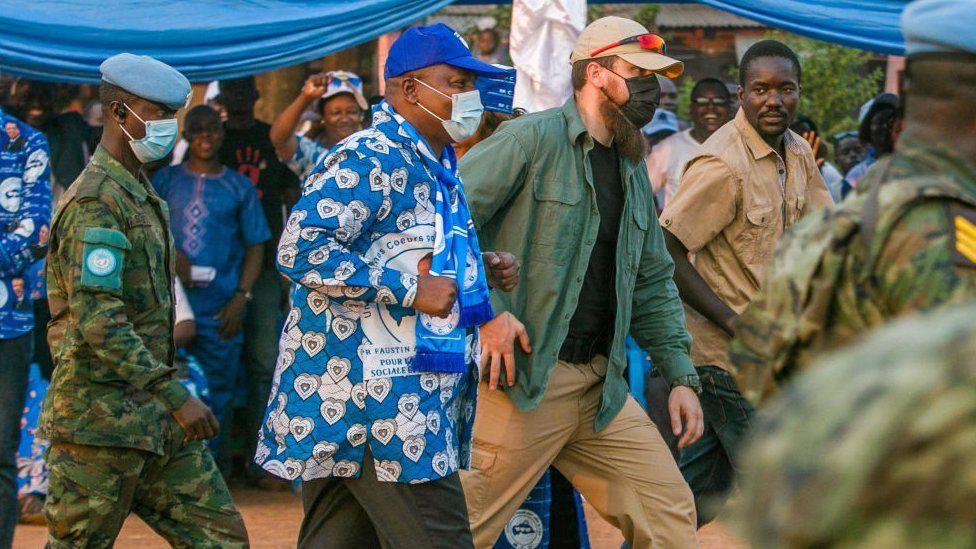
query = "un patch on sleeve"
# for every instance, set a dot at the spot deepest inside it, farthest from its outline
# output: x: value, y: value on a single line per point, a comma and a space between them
x: 963, y: 236
x: 102, y: 258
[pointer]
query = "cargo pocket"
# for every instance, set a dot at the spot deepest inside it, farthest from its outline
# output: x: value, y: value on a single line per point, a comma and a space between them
x: 482, y: 469
x: 103, y: 258
x: 82, y: 499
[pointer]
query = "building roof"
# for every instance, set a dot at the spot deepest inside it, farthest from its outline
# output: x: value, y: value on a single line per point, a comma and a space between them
x: 679, y: 16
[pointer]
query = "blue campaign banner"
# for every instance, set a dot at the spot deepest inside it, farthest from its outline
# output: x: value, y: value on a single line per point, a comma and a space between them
x: 497, y: 92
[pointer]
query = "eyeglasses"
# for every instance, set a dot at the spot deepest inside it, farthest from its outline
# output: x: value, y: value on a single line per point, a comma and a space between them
x: 649, y: 42
x: 705, y: 101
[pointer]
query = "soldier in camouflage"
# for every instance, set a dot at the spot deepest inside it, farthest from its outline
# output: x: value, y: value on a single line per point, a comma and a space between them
x: 905, y: 243
x: 886, y: 461
x: 126, y: 435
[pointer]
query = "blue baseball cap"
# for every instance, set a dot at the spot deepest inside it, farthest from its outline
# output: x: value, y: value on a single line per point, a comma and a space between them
x: 420, y: 47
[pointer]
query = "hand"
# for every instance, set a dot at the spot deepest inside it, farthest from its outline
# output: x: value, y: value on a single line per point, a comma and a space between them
x: 814, y: 141
x: 502, y: 270
x: 315, y: 86
x: 231, y: 316
x: 435, y: 295
x: 684, y: 408
x: 497, y: 346
x: 197, y: 420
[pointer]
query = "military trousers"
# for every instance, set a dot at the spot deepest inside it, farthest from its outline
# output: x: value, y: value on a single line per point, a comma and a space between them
x: 180, y: 494
x: 625, y: 471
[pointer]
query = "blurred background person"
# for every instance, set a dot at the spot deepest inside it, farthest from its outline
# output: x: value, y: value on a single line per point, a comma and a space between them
x: 488, y: 47
x: 848, y: 151
x: 247, y: 149
x: 807, y: 129
x: 709, y: 111
x: 879, y: 118
x: 341, y: 106
x: 220, y: 233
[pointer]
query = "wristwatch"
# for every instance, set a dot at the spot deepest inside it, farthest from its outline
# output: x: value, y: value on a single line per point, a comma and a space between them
x: 247, y: 294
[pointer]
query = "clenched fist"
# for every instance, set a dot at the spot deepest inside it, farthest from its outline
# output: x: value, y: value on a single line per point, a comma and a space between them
x: 435, y: 295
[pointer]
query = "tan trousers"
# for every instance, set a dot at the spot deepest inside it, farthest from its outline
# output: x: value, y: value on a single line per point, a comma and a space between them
x: 625, y: 471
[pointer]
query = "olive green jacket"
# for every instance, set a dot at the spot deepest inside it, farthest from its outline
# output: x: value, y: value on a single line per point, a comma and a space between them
x: 530, y: 190
x: 109, y: 276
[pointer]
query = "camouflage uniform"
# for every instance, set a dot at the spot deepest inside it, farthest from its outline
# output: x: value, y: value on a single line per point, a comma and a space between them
x: 116, y: 446
x: 887, y: 460
x: 917, y: 252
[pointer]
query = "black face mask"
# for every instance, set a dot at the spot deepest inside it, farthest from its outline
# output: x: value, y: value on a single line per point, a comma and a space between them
x: 645, y: 95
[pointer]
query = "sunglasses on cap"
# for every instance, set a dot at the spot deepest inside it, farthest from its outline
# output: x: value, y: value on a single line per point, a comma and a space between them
x: 648, y: 42
x: 717, y: 101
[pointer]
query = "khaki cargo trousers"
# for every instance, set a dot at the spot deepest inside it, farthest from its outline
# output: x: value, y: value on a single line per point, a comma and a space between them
x: 625, y: 471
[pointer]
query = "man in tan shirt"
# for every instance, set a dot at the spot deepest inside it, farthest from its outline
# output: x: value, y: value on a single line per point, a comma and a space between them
x: 749, y: 182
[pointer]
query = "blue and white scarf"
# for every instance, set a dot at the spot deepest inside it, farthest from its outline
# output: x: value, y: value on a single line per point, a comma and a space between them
x: 441, y: 342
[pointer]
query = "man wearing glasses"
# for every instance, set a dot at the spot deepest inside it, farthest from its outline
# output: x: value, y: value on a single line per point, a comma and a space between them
x: 746, y: 184
x: 566, y: 191
x: 709, y: 111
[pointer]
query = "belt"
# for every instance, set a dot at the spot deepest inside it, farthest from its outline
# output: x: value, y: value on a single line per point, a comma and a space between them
x: 582, y: 350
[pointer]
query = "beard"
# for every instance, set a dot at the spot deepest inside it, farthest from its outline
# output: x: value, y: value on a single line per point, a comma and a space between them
x: 628, y: 139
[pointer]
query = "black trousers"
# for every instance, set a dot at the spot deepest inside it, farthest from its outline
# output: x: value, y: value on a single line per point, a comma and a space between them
x: 365, y: 513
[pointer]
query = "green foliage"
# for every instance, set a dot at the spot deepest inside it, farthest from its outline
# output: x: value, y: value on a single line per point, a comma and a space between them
x: 836, y: 81
x: 593, y: 12
x: 647, y: 16
x: 684, y: 98
x: 503, y: 14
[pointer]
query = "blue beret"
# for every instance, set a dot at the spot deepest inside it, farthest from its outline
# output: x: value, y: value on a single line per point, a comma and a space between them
x: 939, y: 26
x: 147, y: 78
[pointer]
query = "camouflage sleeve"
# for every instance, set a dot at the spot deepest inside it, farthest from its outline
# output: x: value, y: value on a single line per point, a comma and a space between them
x: 916, y: 269
x: 92, y: 250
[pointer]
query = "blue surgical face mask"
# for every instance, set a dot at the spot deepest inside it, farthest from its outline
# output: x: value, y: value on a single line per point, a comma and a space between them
x: 160, y: 137
x: 466, y: 110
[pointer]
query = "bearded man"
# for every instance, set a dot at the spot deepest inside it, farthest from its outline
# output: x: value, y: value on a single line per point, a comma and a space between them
x: 566, y: 191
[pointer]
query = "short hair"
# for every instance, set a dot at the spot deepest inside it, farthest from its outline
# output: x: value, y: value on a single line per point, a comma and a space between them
x: 709, y: 81
x: 767, y: 48
x: 107, y: 93
x: 579, y: 69
x: 198, y: 116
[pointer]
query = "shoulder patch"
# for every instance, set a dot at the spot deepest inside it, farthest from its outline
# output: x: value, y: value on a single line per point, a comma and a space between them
x: 102, y: 259
x: 963, y: 236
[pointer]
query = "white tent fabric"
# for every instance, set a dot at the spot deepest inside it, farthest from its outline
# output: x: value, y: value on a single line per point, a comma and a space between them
x: 542, y: 37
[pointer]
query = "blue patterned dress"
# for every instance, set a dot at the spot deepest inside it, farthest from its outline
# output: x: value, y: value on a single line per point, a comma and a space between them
x: 352, y: 246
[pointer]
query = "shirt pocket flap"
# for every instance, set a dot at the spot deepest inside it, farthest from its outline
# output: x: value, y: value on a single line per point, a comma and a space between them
x: 640, y: 217
x: 108, y: 237
x: 760, y: 215
x: 556, y: 190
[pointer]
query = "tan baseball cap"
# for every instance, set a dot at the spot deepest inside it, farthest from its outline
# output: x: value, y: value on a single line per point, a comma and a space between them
x: 608, y: 30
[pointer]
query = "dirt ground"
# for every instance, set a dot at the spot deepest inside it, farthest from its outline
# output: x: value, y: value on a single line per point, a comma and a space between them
x: 273, y: 518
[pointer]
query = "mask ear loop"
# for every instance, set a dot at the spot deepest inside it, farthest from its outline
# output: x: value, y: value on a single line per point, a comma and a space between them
x: 126, y: 110
x: 421, y: 105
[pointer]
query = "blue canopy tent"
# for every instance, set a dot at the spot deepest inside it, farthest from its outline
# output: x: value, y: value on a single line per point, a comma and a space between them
x: 66, y: 40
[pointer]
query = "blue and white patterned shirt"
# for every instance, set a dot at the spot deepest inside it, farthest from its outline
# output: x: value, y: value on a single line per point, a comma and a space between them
x: 352, y: 246
x: 309, y: 153
x: 25, y: 217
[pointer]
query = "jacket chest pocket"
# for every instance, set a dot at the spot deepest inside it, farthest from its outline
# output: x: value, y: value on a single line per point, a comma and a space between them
x: 556, y: 233
x: 145, y: 276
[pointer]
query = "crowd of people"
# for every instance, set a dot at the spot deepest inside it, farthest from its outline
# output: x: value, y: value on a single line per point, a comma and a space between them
x: 320, y: 304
